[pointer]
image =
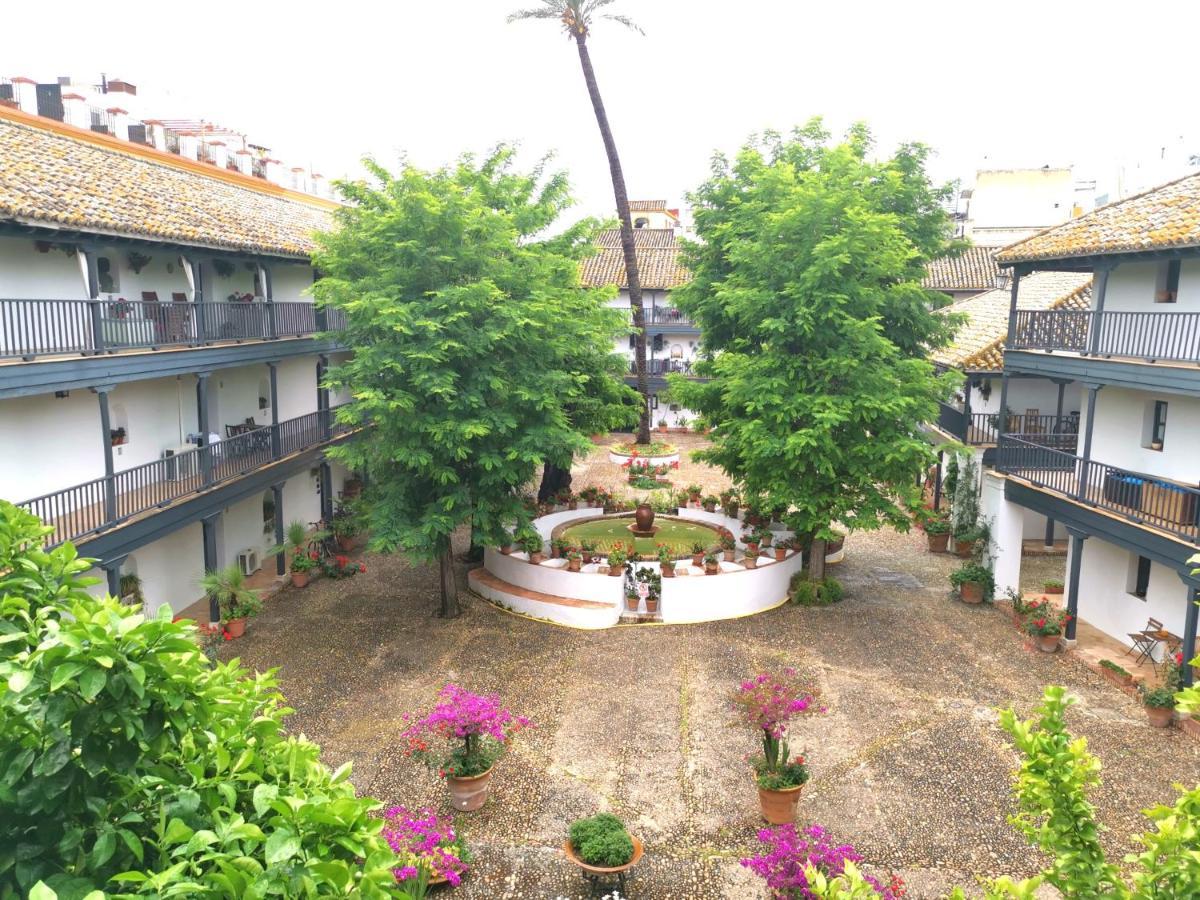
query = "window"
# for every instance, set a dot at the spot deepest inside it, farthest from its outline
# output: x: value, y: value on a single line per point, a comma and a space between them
x: 106, y: 275
x: 1167, y: 288
x: 641, y: 223
x: 1155, y: 429
x: 1139, y: 576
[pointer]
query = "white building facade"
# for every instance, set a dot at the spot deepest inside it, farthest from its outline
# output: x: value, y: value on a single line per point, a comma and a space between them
x: 1129, y: 494
x: 160, y: 359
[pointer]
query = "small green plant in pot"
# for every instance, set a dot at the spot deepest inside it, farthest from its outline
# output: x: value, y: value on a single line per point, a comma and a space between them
x: 236, y: 602
x: 1052, y: 587
x: 974, y: 582
x: 602, y: 844
x: 712, y: 563
x: 937, y: 533
x: 1046, y: 623
x: 531, y: 543
x: 1159, y: 702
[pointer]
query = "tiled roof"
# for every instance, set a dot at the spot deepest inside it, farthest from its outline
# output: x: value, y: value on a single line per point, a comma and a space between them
x: 647, y: 205
x: 975, y: 270
x: 1164, y: 217
x: 659, y: 265
x: 979, y: 344
x: 50, y: 177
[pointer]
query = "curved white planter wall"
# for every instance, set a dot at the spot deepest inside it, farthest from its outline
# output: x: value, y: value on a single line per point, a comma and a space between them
x: 707, y: 598
x: 620, y: 459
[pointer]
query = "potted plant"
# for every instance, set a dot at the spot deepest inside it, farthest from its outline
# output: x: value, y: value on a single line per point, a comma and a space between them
x: 1159, y: 703
x: 645, y: 585
x: 1114, y: 673
x: 574, y: 560
x: 1046, y: 623
x: 559, y: 547
x: 431, y: 851
x: 130, y: 588
x: 836, y: 543
x: 531, y: 543
x: 709, y: 503
x: 697, y: 553
x: 974, y: 582
x: 666, y: 561
x: 1052, y: 587
x: 236, y: 602
x: 472, y: 731
x: 769, y: 703
x: 728, y: 545
x: 345, y: 526
x: 617, y: 558
x: 750, y: 539
x: 296, y: 542
x: 506, y: 543
x: 937, y: 532
x: 966, y: 541
x: 712, y: 563
x: 301, y: 567
x: 730, y: 503
x: 662, y: 424
x: 602, y: 847
x: 588, y: 549
x: 781, y: 549
x: 694, y: 491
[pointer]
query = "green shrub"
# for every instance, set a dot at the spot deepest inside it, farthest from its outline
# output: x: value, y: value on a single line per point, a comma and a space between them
x: 977, y: 573
x: 1113, y: 667
x: 602, y: 841
x: 805, y: 592
x: 129, y: 763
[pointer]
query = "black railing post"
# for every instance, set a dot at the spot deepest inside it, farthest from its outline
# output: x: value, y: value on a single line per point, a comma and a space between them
x: 95, y: 314
x: 1188, y: 648
x: 1099, y: 289
x: 110, y: 488
x: 206, y: 460
x: 1077, y: 539
x: 273, y: 367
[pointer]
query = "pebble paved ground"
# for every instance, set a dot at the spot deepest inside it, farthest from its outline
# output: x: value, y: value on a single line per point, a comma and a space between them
x: 909, y: 762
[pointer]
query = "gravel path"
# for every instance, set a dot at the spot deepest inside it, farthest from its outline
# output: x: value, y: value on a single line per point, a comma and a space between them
x: 909, y: 763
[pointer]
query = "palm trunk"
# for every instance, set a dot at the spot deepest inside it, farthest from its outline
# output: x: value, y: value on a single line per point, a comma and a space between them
x: 627, y: 244
x: 450, y: 608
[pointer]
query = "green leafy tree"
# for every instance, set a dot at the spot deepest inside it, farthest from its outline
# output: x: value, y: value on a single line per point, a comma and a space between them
x: 577, y: 17
x: 807, y: 289
x: 467, y: 323
x: 130, y: 764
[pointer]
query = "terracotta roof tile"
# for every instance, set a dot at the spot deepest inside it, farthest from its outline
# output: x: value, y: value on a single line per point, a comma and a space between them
x: 975, y: 270
x: 659, y: 265
x: 647, y: 205
x: 979, y: 344
x: 1161, y: 218
x: 51, y: 178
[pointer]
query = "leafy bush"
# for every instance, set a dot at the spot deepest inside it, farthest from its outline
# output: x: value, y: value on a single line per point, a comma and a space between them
x: 975, y: 573
x: 937, y: 525
x: 805, y: 592
x: 601, y: 841
x: 128, y: 762
x: 1113, y: 667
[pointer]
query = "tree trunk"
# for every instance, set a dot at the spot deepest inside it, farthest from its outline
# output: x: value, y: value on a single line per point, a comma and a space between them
x: 554, y: 479
x: 450, y: 608
x: 474, y: 552
x: 627, y: 244
x: 816, y: 560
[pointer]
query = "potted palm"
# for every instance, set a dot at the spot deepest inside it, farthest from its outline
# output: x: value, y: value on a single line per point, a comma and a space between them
x: 769, y: 703
x: 295, y: 545
x: 974, y: 582
x: 602, y: 847
x: 476, y: 730
x: 236, y: 602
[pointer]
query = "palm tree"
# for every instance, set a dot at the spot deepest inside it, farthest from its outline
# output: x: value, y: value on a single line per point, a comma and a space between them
x: 576, y: 17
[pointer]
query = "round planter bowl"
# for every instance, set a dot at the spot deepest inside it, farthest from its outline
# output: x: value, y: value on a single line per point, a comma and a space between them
x: 469, y: 794
x: 299, y: 579
x: 604, y: 870
x: 1047, y: 643
x: 779, y: 807
x: 971, y: 592
x: 938, y: 543
x: 1159, y: 716
x: 235, y: 627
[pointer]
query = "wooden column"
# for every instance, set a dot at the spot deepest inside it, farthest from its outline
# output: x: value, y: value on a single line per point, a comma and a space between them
x: 206, y: 452
x: 1189, y: 648
x: 1099, y: 289
x: 326, y: 491
x: 1077, y: 539
x: 110, y: 488
x: 277, y: 493
x: 208, y: 526
x: 273, y: 367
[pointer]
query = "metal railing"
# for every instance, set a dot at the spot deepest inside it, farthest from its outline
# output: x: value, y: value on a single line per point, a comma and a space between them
x: 1153, y: 336
x: 985, y: 427
x: 952, y: 421
x: 665, y: 315
x: 103, y: 503
x: 663, y: 366
x: 32, y: 328
x: 1136, y: 496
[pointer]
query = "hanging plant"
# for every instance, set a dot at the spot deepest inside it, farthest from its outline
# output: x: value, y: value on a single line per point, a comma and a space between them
x: 138, y: 261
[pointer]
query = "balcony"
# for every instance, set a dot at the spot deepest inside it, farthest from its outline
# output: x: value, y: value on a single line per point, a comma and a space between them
x: 103, y: 503
x: 983, y: 430
x: 1142, y: 499
x: 33, y: 328
x: 1149, y: 336
x: 666, y: 315
x: 660, y: 367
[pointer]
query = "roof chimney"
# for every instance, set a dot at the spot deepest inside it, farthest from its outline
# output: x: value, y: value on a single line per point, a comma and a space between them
x: 122, y: 87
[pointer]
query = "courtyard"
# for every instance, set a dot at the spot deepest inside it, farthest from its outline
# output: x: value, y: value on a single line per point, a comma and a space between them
x: 909, y: 764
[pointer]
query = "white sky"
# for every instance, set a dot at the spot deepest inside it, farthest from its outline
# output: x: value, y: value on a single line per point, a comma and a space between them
x: 993, y: 84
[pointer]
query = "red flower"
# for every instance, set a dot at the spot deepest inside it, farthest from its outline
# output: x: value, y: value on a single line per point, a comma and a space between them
x: 343, y: 561
x: 227, y: 636
x: 362, y: 567
x: 1179, y: 659
x: 1040, y: 623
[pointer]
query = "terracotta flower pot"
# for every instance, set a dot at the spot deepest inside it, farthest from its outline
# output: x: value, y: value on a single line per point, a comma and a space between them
x: 1159, y: 716
x: 712, y: 568
x: 730, y: 555
x: 750, y: 561
x: 631, y: 604
x: 1047, y: 643
x: 345, y: 542
x: 710, y: 507
x: 780, y: 554
x: 536, y: 557
x: 697, y: 559
x: 616, y: 571
x: 938, y: 543
x: 964, y: 549
x: 779, y: 807
x: 506, y: 549
x: 574, y: 565
x: 597, y: 871
x: 668, y: 569
x: 751, y: 549
x: 236, y: 627
x: 651, y: 604
x: 469, y: 793
x: 1053, y: 589
x: 299, y: 579
x: 971, y: 592
x: 835, y: 546
x: 731, y: 510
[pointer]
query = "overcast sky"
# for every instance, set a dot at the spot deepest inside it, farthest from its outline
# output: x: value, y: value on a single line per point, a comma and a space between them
x: 985, y: 84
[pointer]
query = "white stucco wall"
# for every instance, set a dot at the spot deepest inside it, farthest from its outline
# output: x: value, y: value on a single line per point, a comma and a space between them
x: 291, y: 281
x: 296, y: 379
x: 1118, y: 433
x: 170, y: 570
x: 1131, y: 288
x: 27, y: 274
x: 47, y: 443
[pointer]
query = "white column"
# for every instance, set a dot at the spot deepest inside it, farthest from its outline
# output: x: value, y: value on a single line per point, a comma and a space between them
x: 1006, y: 522
x: 25, y: 91
x: 120, y: 122
x: 245, y: 162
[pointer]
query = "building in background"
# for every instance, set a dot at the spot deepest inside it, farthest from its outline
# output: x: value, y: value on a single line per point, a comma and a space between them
x: 966, y: 275
x: 114, y: 107
x: 160, y: 358
x: 1007, y: 205
x: 1128, y: 493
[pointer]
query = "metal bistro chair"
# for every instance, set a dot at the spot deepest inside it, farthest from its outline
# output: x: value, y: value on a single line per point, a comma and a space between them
x: 1146, y: 641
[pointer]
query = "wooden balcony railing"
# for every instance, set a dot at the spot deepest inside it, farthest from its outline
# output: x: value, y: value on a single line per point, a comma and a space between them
x: 1153, y: 336
x: 1140, y: 498
x: 663, y: 366
x: 33, y: 328
x: 102, y: 503
x: 665, y: 315
x: 983, y: 428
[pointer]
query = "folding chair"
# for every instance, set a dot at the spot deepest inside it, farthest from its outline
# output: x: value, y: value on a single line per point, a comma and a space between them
x: 1146, y: 640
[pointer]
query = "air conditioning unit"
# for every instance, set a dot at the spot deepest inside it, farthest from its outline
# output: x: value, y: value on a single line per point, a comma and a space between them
x: 248, y: 561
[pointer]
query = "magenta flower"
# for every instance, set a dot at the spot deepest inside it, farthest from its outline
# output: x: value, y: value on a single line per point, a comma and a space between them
x: 787, y: 853
x: 424, y: 839
x: 478, y: 721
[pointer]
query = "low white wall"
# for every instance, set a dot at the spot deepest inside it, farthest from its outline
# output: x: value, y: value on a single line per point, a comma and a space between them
x: 620, y: 459
x: 707, y: 598
x: 576, y: 617
x: 558, y: 582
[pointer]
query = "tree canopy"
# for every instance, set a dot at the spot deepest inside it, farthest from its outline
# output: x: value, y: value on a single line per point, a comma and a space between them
x: 473, y: 343
x: 807, y: 288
